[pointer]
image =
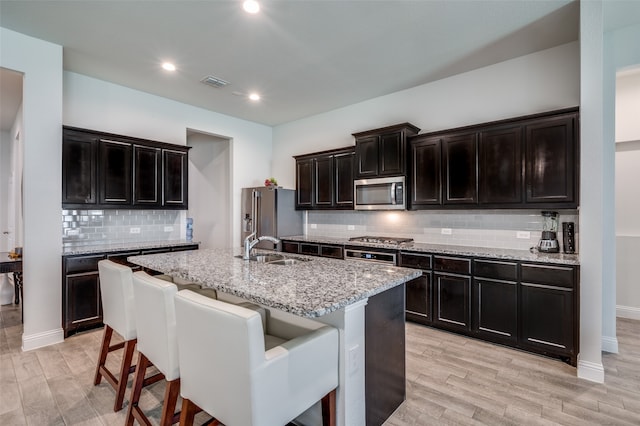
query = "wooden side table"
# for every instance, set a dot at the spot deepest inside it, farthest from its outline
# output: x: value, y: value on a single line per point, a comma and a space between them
x: 9, y: 265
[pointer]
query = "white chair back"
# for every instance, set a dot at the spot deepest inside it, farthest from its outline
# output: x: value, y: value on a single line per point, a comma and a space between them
x: 116, y: 290
x: 156, y: 322
x: 226, y: 371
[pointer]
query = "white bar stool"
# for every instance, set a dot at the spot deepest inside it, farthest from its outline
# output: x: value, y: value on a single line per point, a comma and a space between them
x: 242, y: 373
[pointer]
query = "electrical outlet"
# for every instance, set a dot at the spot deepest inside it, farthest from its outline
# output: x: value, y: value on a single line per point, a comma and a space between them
x: 134, y: 230
x: 314, y: 226
x: 168, y: 229
x: 350, y: 227
x: 352, y: 359
x: 446, y: 231
x: 525, y: 235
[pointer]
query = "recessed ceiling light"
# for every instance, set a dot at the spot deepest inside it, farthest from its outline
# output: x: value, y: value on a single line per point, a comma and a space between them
x: 254, y: 96
x: 169, y: 66
x: 251, y: 6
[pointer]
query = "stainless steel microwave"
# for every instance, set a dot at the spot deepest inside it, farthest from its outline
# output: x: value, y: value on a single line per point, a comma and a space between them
x: 379, y: 194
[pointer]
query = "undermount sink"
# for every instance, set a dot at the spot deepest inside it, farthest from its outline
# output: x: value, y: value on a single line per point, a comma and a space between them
x: 276, y: 259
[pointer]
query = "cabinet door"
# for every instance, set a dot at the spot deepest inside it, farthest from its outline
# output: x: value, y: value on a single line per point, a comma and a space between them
x: 451, y: 297
x: 82, y: 300
x: 304, y: 183
x: 547, y: 318
x: 323, y: 178
x: 550, y: 160
x: 391, y: 152
x: 367, y: 156
x: 500, y: 166
x: 79, y: 172
x: 495, y: 309
x: 426, y: 187
x: 115, y: 173
x: 175, y: 178
x: 343, y: 166
x: 146, y: 176
x: 418, y: 299
x: 460, y: 169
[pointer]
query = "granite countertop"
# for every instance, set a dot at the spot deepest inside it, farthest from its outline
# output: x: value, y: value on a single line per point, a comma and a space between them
x: 309, y: 289
x: 506, y: 254
x: 112, y: 247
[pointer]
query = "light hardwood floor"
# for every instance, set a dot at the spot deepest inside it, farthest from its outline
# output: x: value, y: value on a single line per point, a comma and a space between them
x: 450, y: 380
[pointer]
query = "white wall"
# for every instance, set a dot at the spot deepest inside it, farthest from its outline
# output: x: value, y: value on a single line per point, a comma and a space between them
x: 627, y: 194
x: 542, y: 81
x: 99, y: 105
x: 41, y: 63
x: 628, y: 106
x: 209, y: 177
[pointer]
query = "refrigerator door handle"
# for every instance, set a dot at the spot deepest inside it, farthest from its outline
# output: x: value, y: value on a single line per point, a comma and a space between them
x: 255, y: 210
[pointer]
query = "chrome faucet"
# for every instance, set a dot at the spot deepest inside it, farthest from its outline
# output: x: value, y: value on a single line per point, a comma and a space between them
x: 251, y: 241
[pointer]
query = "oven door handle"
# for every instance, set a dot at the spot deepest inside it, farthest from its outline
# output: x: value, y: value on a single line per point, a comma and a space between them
x: 393, y: 194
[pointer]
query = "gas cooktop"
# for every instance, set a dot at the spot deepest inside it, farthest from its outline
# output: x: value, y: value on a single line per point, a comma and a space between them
x: 381, y: 240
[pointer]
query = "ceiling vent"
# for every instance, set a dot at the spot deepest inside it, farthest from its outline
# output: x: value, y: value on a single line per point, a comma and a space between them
x: 214, y: 81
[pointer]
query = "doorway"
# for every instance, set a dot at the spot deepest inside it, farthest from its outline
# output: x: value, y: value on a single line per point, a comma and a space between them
x: 210, y: 195
x: 11, y: 163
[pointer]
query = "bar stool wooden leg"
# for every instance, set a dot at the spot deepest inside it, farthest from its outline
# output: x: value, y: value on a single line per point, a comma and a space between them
x: 188, y: 413
x: 171, y: 392
x: 125, y: 370
x: 136, y: 390
x: 329, y: 409
x: 104, y: 350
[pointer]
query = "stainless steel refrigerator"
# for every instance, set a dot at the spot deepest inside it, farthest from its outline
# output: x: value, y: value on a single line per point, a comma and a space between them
x: 269, y: 211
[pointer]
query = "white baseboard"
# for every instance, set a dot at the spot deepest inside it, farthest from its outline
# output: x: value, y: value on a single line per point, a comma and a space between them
x: 592, y: 371
x: 38, y: 340
x: 610, y: 344
x: 628, y: 312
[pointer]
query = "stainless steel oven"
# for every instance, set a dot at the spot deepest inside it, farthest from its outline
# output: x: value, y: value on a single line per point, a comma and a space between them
x: 370, y: 255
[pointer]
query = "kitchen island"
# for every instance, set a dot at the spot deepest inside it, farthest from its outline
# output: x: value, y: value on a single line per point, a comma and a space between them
x: 330, y: 291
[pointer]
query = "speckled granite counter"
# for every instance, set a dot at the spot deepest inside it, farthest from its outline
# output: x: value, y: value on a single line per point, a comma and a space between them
x: 526, y: 255
x: 309, y: 289
x: 107, y: 248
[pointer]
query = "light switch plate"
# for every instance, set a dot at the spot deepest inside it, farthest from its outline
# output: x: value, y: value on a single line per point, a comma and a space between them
x: 350, y: 227
x: 446, y: 231
x: 525, y: 235
x: 314, y: 226
x: 134, y: 230
x: 168, y: 229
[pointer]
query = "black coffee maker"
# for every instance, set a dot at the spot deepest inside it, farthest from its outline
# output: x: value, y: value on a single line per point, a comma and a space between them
x: 549, y: 241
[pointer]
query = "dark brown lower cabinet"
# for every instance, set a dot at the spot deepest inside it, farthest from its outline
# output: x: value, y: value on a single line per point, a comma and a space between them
x: 548, y: 319
x: 385, y: 378
x: 451, y: 296
x: 495, y: 310
x: 418, y: 298
x: 81, y: 300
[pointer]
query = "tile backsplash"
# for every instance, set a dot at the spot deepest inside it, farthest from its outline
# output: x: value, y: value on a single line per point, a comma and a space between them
x: 509, y: 229
x: 118, y: 226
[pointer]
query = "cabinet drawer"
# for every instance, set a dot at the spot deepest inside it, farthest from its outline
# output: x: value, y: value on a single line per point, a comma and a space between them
x: 185, y: 248
x: 312, y: 249
x: 79, y: 265
x: 452, y: 264
x: 290, y: 247
x: 494, y: 269
x: 332, y: 251
x: 121, y: 257
x: 415, y: 260
x: 560, y: 276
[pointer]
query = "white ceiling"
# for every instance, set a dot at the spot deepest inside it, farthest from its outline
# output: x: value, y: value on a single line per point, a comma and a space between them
x: 304, y: 57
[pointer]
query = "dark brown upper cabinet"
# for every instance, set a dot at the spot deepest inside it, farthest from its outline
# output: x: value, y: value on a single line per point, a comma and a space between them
x: 324, y: 180
x: 114, y: 171
x: 460, y: 168
x: 79, y: 168
x: 175, y: 173
x: 551, y: 160
x: 382, y: 152
x: 500, y: 166
x: 524, y: 162
x: 107, y: 171
x: 147, y: 185
x: 343, y: 178
x: 425, y: 171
